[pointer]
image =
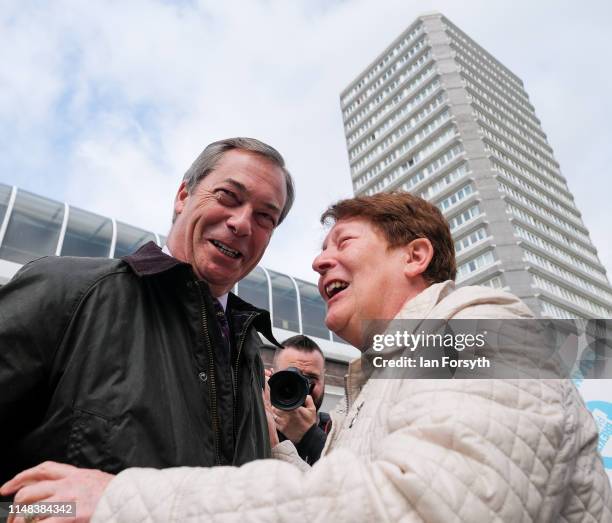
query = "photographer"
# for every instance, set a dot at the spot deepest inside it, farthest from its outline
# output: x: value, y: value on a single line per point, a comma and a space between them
x: 305, y: 426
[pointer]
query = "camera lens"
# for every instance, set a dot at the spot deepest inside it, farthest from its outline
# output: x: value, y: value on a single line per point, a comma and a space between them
x: 288, y: 389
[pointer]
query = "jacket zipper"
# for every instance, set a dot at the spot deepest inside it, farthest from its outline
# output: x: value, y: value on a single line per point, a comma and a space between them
x: 235, y: 370
x: 346, y: 398
x: 211, y: 376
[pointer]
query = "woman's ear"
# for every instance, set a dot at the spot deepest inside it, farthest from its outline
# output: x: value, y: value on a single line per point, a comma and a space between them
x: 419, y: 254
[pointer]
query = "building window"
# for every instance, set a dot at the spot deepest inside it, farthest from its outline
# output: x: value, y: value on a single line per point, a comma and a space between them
x: 284, y: 300
x: 480, y: 262
x: 87, y: 234
x: 555, y: 311
x: 5, y: 196
x: 313, y: 310
x: 130, y: 238
x: 495, y: 282
x: 572, y: 297
x: 254, y: 289
x: 471, y: 239
x: 461, y: 219
x: 456, y: 197
x: 34, y: 228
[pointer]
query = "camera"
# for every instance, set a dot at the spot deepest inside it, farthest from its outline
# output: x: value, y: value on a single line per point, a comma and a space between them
x: 289, y: 388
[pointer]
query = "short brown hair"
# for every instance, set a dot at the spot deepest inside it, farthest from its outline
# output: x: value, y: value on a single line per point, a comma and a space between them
x: 402, y: 217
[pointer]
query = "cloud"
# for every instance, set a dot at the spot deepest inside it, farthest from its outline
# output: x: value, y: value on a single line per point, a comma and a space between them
x: 118, y: 176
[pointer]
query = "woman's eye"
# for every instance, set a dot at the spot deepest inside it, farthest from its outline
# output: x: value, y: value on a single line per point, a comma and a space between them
x: 342, y: 241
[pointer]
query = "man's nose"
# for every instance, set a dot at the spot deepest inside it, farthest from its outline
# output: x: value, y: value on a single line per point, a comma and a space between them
x: 240, y: 221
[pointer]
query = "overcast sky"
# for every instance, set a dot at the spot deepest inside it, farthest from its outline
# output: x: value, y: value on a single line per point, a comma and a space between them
x: 105, y: 104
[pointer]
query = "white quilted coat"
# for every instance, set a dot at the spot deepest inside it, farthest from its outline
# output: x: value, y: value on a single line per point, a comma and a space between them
x: 407, y: 450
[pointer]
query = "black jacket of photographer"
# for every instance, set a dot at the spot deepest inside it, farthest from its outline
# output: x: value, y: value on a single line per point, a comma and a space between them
x: 311, y: 445
x: 110, y: 364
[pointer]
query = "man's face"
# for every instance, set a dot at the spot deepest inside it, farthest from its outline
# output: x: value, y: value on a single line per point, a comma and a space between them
x: 311, y: 364
x: 223, y: 227
x: 360, y: 278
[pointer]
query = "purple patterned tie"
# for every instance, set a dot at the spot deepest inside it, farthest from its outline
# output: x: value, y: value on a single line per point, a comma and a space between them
x: 222, y: 321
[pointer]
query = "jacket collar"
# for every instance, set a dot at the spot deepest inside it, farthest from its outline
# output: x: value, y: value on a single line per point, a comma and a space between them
x: 241, y: 311
x: 418, y: 307
x: 421, y: 306
x: 149, y: 260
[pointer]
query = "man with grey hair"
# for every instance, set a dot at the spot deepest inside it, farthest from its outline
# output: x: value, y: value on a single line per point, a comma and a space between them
x: 148, y: 360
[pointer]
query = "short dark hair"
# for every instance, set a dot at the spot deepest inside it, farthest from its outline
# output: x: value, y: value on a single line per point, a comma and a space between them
x: 301, y: 343
x: 402, y: 217
x: 205, y: 163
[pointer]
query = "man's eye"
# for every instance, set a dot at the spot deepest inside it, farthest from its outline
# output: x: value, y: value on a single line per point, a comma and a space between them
x: 266, y: 220
x: 226, y: 197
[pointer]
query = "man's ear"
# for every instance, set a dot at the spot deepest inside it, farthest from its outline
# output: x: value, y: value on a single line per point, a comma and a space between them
x: 181, y: 198
x: 419, y: 253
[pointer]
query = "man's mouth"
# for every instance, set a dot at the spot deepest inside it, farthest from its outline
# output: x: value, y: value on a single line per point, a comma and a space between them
x: 335, y: 287
x: 228, y: 251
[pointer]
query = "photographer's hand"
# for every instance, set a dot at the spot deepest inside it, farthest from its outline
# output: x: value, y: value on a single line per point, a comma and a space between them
x: 270, y: 417
x: 295, y: 423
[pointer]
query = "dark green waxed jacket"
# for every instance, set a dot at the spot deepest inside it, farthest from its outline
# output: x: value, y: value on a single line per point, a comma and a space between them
x: 111, y: 364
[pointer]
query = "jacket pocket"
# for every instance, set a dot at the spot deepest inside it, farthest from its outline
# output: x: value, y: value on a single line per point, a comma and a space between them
x: 89, y: 441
